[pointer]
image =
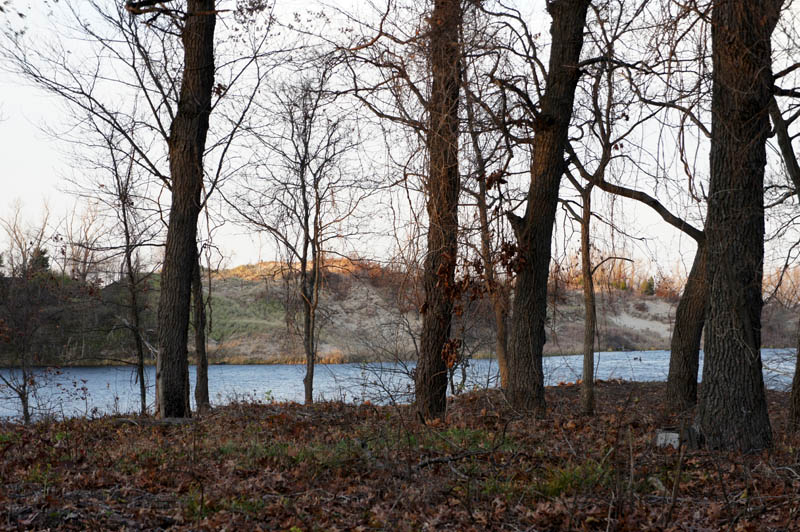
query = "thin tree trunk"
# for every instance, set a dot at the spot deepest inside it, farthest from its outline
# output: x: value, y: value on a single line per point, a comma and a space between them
x: 442, y: 189
x: 498, y: 293
x: 25, y: 399
x: 690, y: 317
x: 186, y: 146
x: 201, y: 379
x: 590, y: 323
x: 793, y: 169
x: 309, y: 319
x: 135, y: 313
x: 732, y: 411
x: 500, y: 303
x: 794, y: 402
x: 534, y: 231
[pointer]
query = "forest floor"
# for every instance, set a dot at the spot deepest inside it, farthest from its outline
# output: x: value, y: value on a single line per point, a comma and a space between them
x: 333, y: 466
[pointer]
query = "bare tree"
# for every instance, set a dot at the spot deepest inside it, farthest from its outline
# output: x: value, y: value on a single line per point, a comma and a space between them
x: 488, y: 156
x: 442, y: 190
x: 303, y: 190
x: 27, y: 295
x: 549, y: 118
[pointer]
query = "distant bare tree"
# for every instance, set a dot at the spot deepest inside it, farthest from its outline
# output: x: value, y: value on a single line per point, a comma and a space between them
x: 302, y: 189
x: 27, y: 295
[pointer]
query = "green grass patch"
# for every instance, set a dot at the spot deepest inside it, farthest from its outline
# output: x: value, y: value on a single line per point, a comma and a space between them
x: 573, y: 479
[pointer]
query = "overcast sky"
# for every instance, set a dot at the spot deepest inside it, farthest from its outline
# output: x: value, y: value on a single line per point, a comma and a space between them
x: 34, y: 166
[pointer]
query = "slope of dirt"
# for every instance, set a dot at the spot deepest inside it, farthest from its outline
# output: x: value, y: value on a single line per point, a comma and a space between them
x: 371, y: 315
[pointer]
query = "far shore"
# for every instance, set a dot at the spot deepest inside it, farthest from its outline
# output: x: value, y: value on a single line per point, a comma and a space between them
x: 298, y: 361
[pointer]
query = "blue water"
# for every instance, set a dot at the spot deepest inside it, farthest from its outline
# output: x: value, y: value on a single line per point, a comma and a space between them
x: 94, y: 391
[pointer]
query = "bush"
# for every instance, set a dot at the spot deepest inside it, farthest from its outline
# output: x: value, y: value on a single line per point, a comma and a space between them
x: 648, y: 287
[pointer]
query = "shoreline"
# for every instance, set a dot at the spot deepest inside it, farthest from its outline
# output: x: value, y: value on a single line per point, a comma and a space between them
x: 334, y: 361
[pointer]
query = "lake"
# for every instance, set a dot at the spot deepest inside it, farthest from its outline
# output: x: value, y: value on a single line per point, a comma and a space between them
x: 93, y: 391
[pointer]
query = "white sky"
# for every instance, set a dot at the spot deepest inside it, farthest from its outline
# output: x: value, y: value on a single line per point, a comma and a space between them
x: 34, y: 166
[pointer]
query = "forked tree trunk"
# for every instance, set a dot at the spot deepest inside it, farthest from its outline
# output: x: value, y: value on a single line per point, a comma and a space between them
x: 442, y: 190
x: 186, y: 146
x: 534, y: 231
x: 732, y: 411
x: 690, y: 317
x: 201, y: 398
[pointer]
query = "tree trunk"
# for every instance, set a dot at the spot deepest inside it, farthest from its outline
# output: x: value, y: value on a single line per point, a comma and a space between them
x: 135, y: 311
x: 24, y: 398
x: 534, y: 231
x: 794, y: 407
x: 690, y: 317
x: 201, y: 379
x: 590, y: 323
x: 137, y: 335
x: 793, y: 169
x: 498, y: 291
x: 309, y: 325
x: 186, y: 146
x: 442, y: 189
x: 500, y: 303
x: 732, y: 412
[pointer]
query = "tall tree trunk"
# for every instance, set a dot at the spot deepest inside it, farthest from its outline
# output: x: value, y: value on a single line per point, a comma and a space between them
x: 442, y: 187
x: 590, y: 323
x: 201, y: 378
x: 534, y: 231
x: 186, y: 146
x: 732, y: 411
x: 690, y: 317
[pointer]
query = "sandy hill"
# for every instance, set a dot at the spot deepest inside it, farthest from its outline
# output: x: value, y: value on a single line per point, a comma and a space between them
x: 369, y: 313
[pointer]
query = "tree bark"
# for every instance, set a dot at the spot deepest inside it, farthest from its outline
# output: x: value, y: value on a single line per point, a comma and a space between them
x: 690, y: 317
x: 201, y: 398
x: 186, y: 146
x: 534, y: 231
x: 794, y: 401
x: 442, y: 187
x: 310, y: 292
x: 732, y: 411
x: 590, y: 323
x: 500, y: 303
